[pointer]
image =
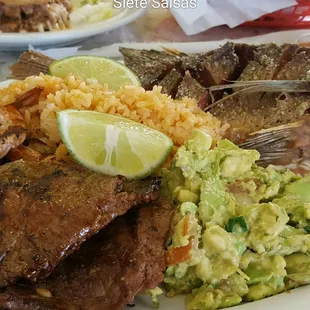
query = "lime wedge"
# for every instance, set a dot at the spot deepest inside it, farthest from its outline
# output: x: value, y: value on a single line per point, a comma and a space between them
x: 111, y: 144
x: 104, y: 70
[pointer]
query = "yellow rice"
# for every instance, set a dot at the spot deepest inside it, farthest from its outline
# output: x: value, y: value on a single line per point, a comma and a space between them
x: 175, y: 118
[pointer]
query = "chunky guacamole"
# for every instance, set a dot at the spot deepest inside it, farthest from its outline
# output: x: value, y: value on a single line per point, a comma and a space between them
x: 241, y: 232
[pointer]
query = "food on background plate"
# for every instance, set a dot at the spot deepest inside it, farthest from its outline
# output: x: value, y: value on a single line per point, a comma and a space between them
x: 50, y: 208
x: 34, y: 15
x: 124, y: 259
x: 91, y: 11
x: 241, y: 232
x: 51, y: 15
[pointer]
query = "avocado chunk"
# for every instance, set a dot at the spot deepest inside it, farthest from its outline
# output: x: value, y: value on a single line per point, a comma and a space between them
x: 265, y: 221
x: 216, y: 205
x: 266, y: 277
x: 236, y: 283
x: 223, y: 252
x: 298, y: 270
x: 263, y: 290
x: 207, y: 298
x: 299, y: 189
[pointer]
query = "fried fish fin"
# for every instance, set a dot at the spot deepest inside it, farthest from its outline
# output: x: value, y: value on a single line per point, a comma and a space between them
x: 282, y: 145
x: 30, y: 63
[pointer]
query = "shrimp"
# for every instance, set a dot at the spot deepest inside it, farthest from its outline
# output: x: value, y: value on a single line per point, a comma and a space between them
x: 28, y: 99
x: 28, y: 154
x: 25, y: 153
x: 13, y: 129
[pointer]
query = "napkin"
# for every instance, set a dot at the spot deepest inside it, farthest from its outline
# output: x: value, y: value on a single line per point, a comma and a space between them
x: 205, y: 14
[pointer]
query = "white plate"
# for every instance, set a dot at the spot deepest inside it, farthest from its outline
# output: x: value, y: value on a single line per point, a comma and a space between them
x: 297, y: 299
x: 21, y: 41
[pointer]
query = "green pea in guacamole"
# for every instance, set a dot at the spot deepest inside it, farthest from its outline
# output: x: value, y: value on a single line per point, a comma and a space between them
x: 241, y: 232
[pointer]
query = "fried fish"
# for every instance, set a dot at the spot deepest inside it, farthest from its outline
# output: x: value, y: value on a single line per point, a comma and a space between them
x: 250, y: 112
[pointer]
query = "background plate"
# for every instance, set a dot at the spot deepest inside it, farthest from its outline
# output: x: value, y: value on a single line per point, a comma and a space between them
x: 21, y: 41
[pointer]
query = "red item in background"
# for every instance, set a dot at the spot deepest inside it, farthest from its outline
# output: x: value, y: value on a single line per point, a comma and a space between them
x: 297, y: 16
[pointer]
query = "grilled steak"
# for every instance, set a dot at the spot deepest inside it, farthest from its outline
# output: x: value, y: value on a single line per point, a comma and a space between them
x: 48, y: 209
x: 34, y: 15
x: 108, y: 271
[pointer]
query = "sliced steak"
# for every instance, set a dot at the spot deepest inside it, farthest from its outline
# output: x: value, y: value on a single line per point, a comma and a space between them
x: 108, y: 271
x: 48, y: 209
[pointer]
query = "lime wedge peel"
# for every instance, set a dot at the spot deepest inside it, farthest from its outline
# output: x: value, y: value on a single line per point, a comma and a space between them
x: 111, y: 144
x: 104, y: 70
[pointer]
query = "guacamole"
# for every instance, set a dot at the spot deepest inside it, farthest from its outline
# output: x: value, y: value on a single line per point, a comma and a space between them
x: 241, y: 232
